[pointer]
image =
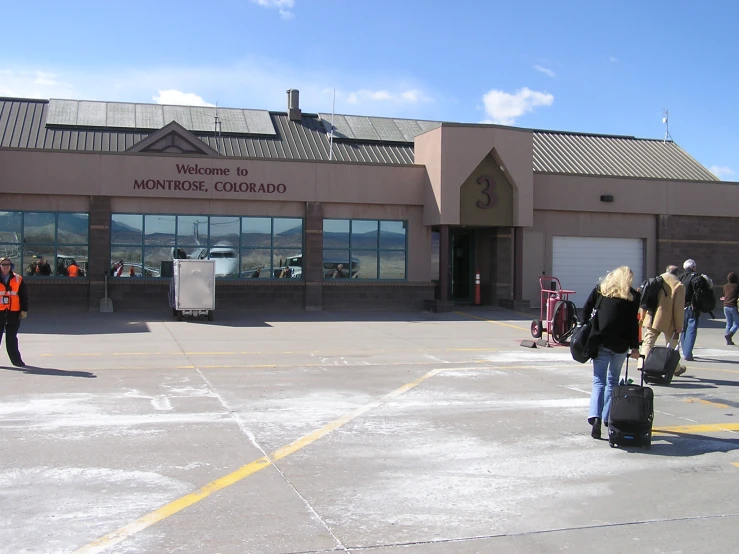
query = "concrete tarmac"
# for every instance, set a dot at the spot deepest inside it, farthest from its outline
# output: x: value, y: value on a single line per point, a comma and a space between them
x: 349, y: 432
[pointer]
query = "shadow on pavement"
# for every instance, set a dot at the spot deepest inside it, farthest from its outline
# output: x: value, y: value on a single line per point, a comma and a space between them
x: 34, y: 370
x: 681, y: 386
x: 96, y: 323
x: 671, y: 443
x: 716, y: 360
x: 717, y: 382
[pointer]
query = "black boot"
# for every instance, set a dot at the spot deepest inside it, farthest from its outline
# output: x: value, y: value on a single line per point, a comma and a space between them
x: 728, y: 339
x: 595, y: 433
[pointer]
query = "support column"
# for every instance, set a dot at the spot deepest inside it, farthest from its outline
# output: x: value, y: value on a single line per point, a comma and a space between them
x: 517, y: 263
x: 444, y: 303
x: 99, y: 248
x: 313, y: 256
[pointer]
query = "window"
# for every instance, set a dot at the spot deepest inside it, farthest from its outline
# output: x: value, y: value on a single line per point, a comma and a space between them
x: 364, y: 249
x: 44, y: 244
x: 242, y: 247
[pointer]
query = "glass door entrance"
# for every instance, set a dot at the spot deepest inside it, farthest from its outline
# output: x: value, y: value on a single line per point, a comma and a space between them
x: 462, y: 245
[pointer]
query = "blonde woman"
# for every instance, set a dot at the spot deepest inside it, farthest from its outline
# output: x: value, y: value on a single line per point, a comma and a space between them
x: 615, y: 331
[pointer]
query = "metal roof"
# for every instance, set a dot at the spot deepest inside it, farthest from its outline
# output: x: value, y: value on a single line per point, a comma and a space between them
x: 25, y: 124
x: 579, y: 154
x: 376, y: 128
x: 119, y: 115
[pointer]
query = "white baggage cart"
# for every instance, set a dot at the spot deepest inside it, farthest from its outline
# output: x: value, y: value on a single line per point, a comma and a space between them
x: 192, y: 290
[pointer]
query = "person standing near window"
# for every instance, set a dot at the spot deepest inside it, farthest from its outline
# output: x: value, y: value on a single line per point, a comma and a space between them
x: 13, y: 308
x: 615, y: 330
x: 42, y: 267
x: 73, y: 270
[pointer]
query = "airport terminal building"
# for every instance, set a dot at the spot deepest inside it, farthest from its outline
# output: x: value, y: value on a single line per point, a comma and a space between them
x: 366, y: 213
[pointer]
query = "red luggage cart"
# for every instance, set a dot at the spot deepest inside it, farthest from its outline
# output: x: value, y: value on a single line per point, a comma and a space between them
x: 557, y: 314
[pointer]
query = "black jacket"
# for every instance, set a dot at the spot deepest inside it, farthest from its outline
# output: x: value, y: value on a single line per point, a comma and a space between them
x: 616, y: 326
x: 22, y: 291
x: 687, y: 280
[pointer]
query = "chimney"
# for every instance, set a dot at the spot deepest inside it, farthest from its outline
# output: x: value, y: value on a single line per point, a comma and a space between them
x: 293, y: 104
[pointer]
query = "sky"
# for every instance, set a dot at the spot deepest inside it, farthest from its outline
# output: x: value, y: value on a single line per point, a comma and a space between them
x: 601, y: 67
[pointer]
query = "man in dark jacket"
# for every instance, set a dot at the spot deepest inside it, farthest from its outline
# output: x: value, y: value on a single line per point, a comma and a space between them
x: 692, y: 314
x: 42, y: 267
x: 13, y: 308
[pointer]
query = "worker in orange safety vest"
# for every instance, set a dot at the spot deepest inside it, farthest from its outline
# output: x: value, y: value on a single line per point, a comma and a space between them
x: 13, y: 308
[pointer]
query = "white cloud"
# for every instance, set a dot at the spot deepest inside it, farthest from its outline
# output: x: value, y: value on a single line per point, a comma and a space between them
x: 284, y: 6
x: 503, y: 107
x: 722, y: 172
x: 33, y: 84
x: 364, y: 96
x: 177, y: 98
x: 544, y: 70
x: 613, y: 59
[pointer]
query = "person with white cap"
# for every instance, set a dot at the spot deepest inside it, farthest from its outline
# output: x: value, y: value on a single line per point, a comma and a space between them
x: 692, y: 313
x: 13, y: 308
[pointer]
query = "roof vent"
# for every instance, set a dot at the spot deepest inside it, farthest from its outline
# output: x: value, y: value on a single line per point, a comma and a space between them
x: 293, y: 104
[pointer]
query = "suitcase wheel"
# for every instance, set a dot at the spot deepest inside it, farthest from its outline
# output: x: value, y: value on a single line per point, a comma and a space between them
x: 612, y: 444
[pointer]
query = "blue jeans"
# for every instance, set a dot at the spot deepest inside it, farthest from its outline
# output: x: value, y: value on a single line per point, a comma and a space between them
x: 732, y: 319
x: 606, y: 372
x: 690, y: 332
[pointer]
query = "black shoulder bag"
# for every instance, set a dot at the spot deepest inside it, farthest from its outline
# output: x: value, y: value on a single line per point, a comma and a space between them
x: 581, y: 335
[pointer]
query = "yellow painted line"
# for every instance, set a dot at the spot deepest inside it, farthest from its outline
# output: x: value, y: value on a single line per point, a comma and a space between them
x: 699, y: 428
x: 180, y: 504
x: 735, y: 464
x: 144, y: 353
x: 495, y: 322
x: 706, y: 402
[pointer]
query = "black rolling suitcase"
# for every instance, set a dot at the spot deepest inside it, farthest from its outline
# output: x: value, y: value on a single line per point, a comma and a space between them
x: 659, y: 367
x: 632, y: 413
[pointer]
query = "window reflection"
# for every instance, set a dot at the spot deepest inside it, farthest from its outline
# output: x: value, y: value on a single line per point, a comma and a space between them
x: 224, y: 231
x: 336, y: 264
x: 367, y: 264
x: 255, y: 263
x: 364, y: 235
x: 159, y: 229
x: 44, y: 244
x: 73, y: 229
x: 377, y: 249
x: 10, y: 227
x: 126, y: 229
x: 39, y: 228
x: 335, y: 233
x: 392, y: 235
x: 192, y: 230
x: 435, y: 242
x: 288, y: 233
x: 38, y: 261
x: 392, y: 265
x: 242, y: 247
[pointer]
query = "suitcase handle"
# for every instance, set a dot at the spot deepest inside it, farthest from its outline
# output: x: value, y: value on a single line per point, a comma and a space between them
x: 626, y: 378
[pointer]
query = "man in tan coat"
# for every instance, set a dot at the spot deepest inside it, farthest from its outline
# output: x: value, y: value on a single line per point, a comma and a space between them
x: 668, y: 317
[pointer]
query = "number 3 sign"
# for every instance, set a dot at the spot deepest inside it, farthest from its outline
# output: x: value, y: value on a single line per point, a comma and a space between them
x: 491, y: 198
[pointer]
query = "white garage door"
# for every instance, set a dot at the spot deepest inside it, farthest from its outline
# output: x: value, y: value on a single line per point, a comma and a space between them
x: 580, y: 262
